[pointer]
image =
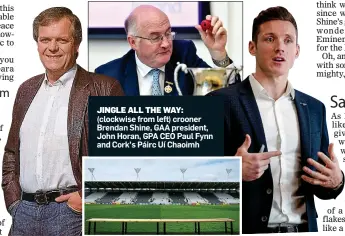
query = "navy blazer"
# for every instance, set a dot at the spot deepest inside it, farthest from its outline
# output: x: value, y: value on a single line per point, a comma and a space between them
x: 124, y: 69
x: 241, y: 117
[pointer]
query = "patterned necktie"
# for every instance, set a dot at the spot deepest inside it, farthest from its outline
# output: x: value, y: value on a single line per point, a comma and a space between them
x: 156, y: 88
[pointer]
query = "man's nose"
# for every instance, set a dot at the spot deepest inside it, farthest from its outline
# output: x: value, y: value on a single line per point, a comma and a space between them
x: 53, y: 46
x: 280, y: 45
x: 165, y: 42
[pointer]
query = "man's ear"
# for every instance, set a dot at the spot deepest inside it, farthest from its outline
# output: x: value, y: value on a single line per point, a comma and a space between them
x: 132, y: 42
x: 297, y: 51
x: 252, y: 48
x: 77, y: 50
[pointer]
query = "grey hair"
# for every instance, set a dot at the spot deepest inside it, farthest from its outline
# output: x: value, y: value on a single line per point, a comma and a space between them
x: 131, y: 25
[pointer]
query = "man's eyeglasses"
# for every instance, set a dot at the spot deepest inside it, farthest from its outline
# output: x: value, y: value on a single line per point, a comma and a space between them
x: 159, y: 39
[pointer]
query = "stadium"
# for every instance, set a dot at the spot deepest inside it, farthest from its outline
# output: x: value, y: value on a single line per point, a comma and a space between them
x: 147, y: 206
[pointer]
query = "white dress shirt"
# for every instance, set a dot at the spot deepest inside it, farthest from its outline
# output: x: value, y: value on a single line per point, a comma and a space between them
x: 281, y: 127
x: 145, y: 77
x: 44, y: 151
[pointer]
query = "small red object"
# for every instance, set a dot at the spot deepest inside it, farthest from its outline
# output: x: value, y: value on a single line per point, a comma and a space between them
x: 206, y: 25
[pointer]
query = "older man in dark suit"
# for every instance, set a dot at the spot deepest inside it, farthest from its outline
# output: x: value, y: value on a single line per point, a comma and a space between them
x: 264, y: 114
x: 147, y: 69
x: 42, y: 175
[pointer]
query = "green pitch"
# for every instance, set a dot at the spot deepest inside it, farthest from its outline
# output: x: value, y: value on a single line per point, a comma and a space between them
x: 162, y: 211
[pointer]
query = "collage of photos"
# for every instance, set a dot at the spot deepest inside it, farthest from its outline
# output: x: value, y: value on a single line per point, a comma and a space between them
x: 90, y: 150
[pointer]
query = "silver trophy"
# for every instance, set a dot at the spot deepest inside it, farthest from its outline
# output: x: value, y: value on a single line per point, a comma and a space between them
x: 207, y: 79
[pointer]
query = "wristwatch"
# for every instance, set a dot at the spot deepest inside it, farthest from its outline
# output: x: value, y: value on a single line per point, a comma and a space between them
x: 223, y: 63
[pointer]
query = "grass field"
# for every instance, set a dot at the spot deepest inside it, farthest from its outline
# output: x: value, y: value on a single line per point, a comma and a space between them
x: 162, y: 211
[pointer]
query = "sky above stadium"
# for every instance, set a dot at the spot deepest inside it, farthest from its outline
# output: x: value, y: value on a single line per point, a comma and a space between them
x: 162, y: 169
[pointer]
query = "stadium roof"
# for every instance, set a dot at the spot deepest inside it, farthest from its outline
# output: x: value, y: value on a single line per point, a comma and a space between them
x: 161, y: 185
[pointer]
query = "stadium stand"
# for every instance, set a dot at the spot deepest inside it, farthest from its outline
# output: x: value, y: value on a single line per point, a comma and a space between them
x: 234, y: 193
x: 143, y: 197
x: 194, y: 198
x: 108, y: 198
x: 126, y: 198
x: 162, y: 193
x: 160, y: 198
x: 226, y: 198
x: 177, y: 198
x: 94, y: 196
x: 210, y: 197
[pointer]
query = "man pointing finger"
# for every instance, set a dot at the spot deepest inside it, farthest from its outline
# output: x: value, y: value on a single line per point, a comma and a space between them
x: 253, y: 164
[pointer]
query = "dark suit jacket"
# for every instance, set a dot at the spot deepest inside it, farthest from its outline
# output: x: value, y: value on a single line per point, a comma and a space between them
x: 85, y: 84
x: 242, y: 117
x: 125, y: 69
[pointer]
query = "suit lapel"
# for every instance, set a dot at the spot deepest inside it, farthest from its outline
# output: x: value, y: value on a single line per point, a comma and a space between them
x: 251, y: 109
x: 304, y: 127
x: 130, y: 84
x: 77, y: 106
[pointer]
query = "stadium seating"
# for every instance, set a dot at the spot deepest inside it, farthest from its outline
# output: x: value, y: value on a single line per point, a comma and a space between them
x: 195, y: 198
x: 94, y: 196
x: 108, y: 198
x: 143, y: 197
x: 87, y: 194
x: 211, y: 198
x: 160, y: 198
x: 226, y: 198
x: 235, y: 194
x: 126, y: 198
x: 177, y: 197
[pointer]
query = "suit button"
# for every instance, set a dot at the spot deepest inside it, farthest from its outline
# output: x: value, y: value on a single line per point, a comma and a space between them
x: 269, y: 191
x: 264, y: 218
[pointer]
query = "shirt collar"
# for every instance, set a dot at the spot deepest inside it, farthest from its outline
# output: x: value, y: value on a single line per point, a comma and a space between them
x: 258, y: 89
x: 144, y: 69
x: 68, y: 76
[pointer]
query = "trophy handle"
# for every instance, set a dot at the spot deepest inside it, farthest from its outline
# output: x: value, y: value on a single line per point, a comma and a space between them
x: 183, y: 67
x: 235, y: 72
